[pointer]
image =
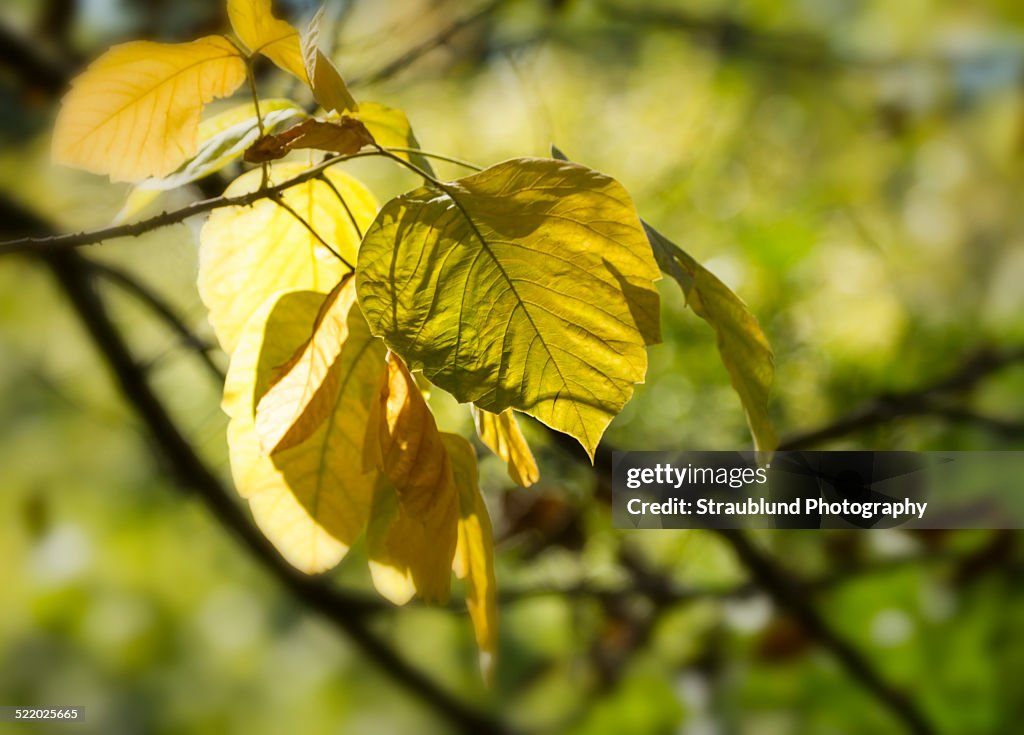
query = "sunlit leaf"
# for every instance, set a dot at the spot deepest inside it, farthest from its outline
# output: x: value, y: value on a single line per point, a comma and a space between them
x: 248, y: 253
x: 502, y: 435
x: 391, y: 128
x: 303, y: 394
x: 262, y: 33
x: 311, y: 500
x: 347, y: 135
x: 329, y: 88
x: 222, y: 139
x: 744, y: 349
x: 474, y: 552
x: 134, y: 113
x: 527, y: 286
x: 413, y: 528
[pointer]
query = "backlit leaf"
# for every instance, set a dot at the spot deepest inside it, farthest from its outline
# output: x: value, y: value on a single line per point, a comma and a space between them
x: 741, y: 343
x: 502, y: 435
x: 248, y: 253
x: 311, y: 500
x: 329, y: 88
x: 474, y: 553
x: 744, y: 349
x: 303, y: 394
x: 262, y: 33
x: 527, y: 286
x: 222, y: 139
x: 391, y: 129
x: 134, y: 113
x: 413, y: 528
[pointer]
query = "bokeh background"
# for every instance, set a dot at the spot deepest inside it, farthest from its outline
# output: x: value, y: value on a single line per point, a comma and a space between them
x: 851, y: 168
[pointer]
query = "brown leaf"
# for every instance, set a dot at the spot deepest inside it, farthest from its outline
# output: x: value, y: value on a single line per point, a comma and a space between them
x: 346, y: 136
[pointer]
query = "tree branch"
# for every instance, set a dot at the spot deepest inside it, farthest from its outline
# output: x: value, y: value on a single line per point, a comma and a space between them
x: 163, y: 311
x: 923, y: 401
x: 779, y: 585
x: 423, y: 48
x: 346, y: 611
x: 56, y: 243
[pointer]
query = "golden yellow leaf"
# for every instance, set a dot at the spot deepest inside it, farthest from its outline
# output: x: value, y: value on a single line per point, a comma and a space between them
x: 302, y: 396
x: 222, y: 139
x: 329, y: 88
x: 134, y: 112
x: 474, y: 552
x: 391, y: 128
x: 311, y: 500
x: 502, y: 435
x: 248, y: 253
x: 262, y: 33
x: 280, y: 42
x: 413, y: 524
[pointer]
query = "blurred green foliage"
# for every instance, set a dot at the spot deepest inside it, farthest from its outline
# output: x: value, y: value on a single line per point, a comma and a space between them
x: 851, y: 169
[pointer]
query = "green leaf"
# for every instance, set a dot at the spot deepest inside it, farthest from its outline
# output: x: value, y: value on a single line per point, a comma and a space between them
x: 741, y: 343
x: 744, y: 349
x: 528, y: 285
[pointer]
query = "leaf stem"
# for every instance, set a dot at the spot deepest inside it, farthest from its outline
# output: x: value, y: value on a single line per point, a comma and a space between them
x: 279, y: 201
x: 351, y: 217
x: 412, y: 167
x: 438, y: 156
x: 265, y: 181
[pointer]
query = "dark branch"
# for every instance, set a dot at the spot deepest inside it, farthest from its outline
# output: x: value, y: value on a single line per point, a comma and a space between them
x: 163, y: 311
x: 779, y: 584
x: 347, y: 612
x: 55, y: 243
x: 423, y: 48
x: 929, y: 400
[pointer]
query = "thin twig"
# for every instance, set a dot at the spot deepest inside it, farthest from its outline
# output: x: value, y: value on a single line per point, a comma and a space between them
x: 423, y: 48
x: 351, y: 217
x: 290, y: 210
x: 54, y: 243
x: 923, y: 401
x: 151, y: 300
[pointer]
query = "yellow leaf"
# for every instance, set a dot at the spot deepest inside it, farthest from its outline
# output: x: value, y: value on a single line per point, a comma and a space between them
x: 279, y: 41
x: 329, y: 88
x: 134, y: 112
x: 222, y: 139
x: 413, y: 525
x: 248, y: 253
x: 529, y: 285
x: 303, y: 395
x: 474, y: 552
x: 744, y: 349
x: 502, y: 435
x: 311, y: 500
x: 391, y: 128
x: 262, y: 33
